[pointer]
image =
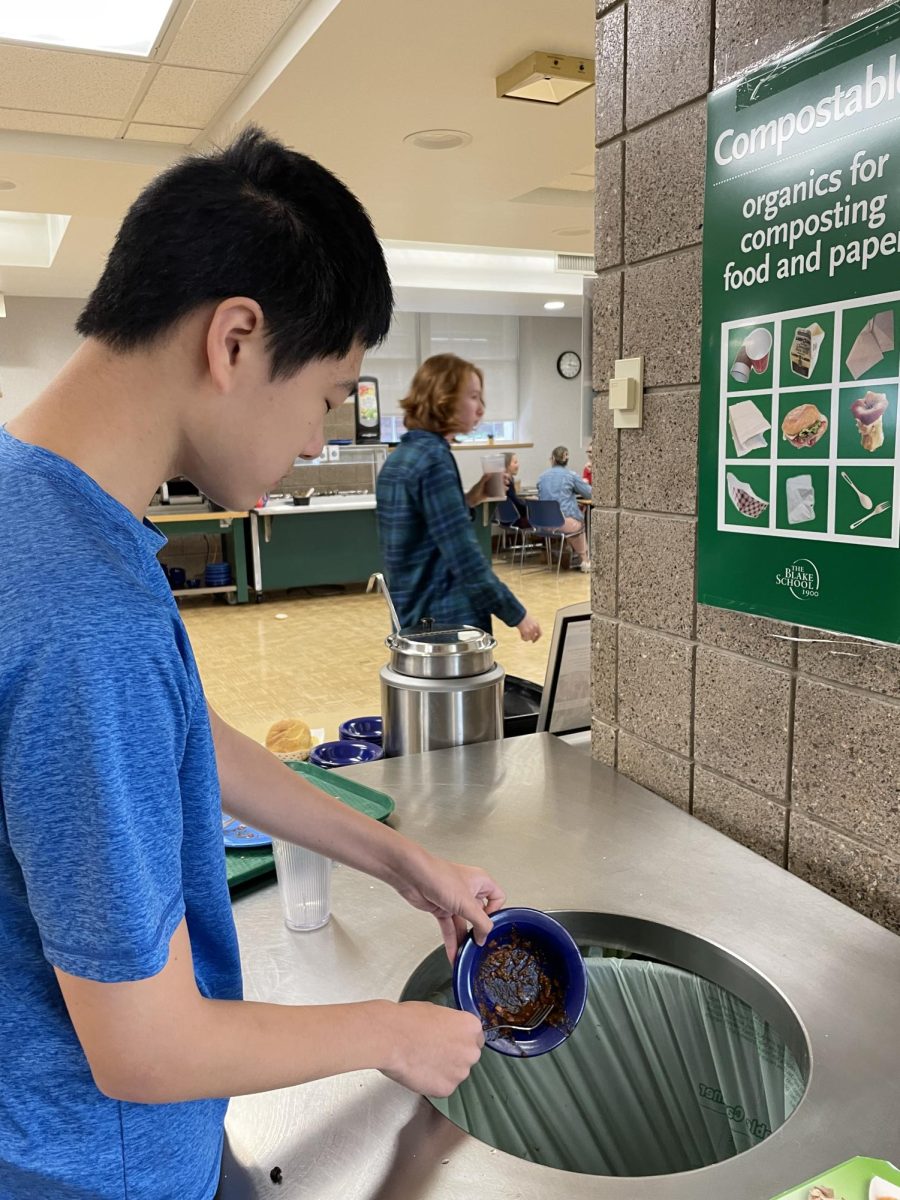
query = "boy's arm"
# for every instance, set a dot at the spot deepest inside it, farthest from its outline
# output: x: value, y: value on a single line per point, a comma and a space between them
x: 268, y: 795
x: 159, y: 1041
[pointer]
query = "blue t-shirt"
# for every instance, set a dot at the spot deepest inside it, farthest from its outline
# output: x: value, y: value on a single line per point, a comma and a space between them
x: 110, y: 832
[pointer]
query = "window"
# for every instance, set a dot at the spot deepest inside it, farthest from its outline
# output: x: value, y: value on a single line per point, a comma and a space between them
x: 492, y: 343
x: 500, y: 431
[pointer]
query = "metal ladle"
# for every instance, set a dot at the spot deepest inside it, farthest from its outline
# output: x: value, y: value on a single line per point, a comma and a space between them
x: 378, y: 578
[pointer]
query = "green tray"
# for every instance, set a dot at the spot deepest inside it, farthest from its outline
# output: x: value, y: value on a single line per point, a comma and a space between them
x: 850, y: 1181
x: 364, y: 799
x: 247, y: 868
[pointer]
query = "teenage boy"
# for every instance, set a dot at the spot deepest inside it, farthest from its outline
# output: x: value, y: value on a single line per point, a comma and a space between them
x: 232, y: 314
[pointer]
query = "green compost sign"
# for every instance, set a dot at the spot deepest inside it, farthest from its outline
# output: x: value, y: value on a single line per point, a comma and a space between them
x: 799, y: 511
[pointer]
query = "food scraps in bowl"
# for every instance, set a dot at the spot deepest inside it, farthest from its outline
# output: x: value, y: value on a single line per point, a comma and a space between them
x: 528, y: 964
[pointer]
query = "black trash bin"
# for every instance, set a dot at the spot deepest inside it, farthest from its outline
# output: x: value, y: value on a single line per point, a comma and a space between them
x: 521, y: 705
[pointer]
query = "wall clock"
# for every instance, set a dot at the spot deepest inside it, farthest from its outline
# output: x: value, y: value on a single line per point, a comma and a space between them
x: 568, y: 364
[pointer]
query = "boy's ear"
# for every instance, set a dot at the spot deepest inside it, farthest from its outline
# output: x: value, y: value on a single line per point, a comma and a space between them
x: 234, y: 335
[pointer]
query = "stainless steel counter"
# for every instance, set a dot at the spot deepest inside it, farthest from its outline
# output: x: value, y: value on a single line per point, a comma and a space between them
x: 562, y: 832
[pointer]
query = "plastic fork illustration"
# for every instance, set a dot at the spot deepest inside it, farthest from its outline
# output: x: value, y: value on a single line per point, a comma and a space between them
x: 879, y: 508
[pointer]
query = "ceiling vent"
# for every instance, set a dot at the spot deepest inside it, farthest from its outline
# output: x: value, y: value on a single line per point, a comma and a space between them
x: 582, y: 263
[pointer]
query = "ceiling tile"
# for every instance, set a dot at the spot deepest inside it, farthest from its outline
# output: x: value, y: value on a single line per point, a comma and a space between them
x: 228, y: 36
x: 62, y: 82
x: 37, y: 122
x: 160, y: 133
x: 180, y: 96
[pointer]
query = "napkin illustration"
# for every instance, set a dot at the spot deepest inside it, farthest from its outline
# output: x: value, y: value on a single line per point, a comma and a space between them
x: 743, y: 497
x: 875, y: 339
x: 801, y: 499
x: 747, y: 427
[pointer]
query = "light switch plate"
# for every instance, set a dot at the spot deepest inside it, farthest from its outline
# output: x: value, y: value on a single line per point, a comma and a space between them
x: 631, y: 369
x: 621, y: 394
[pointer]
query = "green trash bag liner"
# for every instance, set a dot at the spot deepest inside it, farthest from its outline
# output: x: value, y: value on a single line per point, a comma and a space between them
x: 665, y: 1072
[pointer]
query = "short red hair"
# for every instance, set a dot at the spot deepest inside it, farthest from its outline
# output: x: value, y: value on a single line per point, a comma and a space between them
x: 435, y: 392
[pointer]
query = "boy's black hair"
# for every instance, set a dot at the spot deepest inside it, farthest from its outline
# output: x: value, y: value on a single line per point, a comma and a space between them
x: 256, y: 220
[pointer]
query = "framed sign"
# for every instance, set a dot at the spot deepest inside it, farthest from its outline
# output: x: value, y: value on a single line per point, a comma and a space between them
x: 566, y: 698
x: 799, y: 511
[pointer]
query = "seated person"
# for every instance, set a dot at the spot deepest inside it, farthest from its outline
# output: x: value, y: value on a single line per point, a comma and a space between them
x: 511, y: 467
x: 587, y: 474
x: 562, y: 485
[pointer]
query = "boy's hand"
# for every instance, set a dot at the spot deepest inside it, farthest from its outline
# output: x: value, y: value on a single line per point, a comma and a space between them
x: 434, y: 1048
x: 454, y: 894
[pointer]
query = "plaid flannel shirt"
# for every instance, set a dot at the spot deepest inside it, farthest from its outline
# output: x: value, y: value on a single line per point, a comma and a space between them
x: 434, y: 564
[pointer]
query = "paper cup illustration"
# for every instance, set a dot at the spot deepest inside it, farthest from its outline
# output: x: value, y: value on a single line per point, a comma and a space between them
x: 740, y: 368
x: 758, y: 345
x: 753, y: 355
x: 743, y: 497
x: 869, y: 412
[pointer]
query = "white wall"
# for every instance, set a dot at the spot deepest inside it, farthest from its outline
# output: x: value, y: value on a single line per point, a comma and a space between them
x: 37, y: 337
x: 549, y: 406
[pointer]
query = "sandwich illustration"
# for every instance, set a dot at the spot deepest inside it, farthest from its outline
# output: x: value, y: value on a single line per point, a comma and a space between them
x: 804, y: 425
x: 869, y: 412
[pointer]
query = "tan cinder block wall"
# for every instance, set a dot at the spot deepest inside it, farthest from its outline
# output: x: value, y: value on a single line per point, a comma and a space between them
x: 792, y: 748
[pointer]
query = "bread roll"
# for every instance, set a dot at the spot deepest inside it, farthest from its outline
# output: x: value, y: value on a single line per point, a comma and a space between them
x: 290, y: 736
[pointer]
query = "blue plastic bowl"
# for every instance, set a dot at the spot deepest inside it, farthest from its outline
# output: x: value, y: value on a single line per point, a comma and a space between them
x: 344, y: 754
x: 362, y: 729
x: 547, y: 948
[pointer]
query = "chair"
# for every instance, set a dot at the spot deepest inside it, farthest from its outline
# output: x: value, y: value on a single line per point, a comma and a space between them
x: 546, y: 520
x: 506, y: 518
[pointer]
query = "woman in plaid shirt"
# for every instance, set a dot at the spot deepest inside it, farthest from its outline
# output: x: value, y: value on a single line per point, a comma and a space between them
x: 434, y: 564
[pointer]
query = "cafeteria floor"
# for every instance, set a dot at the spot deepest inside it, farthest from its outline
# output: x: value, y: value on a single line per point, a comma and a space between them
x: 318, y: 658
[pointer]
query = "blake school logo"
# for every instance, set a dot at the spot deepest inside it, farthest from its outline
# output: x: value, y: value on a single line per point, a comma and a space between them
x: 802, y: 578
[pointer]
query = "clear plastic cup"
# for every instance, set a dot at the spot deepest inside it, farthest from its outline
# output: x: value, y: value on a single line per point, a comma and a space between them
x: 304, y: 885
x: 492, y: 467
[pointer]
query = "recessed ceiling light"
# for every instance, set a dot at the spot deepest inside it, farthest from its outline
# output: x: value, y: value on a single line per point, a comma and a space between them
x: 554, y: 305
x: 439, y: 139
x: 131, y: 28
x: 546, y: 78
x: 572, y: 231
x: 30, y: 239
x: 6, y: 185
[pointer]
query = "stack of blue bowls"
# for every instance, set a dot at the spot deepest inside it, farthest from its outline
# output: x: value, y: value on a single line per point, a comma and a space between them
x: 217, y: 575
x: 362, y: 729
x: 344, y: 754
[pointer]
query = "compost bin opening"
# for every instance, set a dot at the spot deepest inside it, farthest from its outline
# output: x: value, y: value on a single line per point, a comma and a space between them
x: 685, y: 1057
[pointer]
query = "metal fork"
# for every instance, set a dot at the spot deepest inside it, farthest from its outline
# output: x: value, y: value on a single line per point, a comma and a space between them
x: 538, y: 1019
